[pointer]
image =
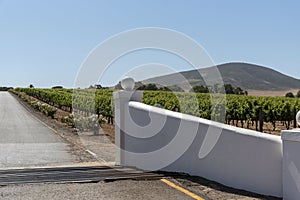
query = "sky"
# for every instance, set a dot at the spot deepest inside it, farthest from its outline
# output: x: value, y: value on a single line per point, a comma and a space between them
x: 45, y: 43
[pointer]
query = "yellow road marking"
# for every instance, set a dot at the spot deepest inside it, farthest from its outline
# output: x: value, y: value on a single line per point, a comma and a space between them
x: 194, y: 196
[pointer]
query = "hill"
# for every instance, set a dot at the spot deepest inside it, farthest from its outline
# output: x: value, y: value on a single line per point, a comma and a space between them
x: 244, y: 75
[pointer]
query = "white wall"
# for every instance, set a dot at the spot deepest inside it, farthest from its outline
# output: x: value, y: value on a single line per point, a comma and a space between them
x: 241, y: 158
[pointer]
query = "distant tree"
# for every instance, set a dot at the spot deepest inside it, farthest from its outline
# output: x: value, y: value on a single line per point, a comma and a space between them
x: 229, y: 89
x: 200, y: 88
x: 238, y: 91
x: 289, y: 94
x: 5, y: 88
x: 150, y: 86
x: 298, y: 94
x: 173, y: 88
x: 165, y: 89
x: 31, y: 86
x: 98, y: 86
x: 57, y: 87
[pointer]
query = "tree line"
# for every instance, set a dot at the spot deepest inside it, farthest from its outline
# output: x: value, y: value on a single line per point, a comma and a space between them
x: 292, y: 95
x: 240, y: 109
x: 5, y: 88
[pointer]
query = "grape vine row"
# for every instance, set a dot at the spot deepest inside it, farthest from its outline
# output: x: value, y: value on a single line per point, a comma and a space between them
x: 244, y: 110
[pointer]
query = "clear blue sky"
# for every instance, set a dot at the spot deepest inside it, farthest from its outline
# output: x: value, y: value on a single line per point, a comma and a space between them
x: 45, y: 42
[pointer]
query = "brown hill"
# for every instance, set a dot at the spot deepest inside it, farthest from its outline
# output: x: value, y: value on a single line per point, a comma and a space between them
x: 243, y: 75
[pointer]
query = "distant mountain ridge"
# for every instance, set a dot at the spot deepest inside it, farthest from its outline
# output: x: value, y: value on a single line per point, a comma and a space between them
x: 244, y: 75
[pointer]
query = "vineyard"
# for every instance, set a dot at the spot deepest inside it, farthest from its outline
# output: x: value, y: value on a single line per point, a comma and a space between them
x: 243, y: 111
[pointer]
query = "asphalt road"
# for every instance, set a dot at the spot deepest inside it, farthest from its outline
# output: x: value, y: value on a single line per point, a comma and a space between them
x: 126, y: 190
x: 120, y: 190
x: 25, y: 141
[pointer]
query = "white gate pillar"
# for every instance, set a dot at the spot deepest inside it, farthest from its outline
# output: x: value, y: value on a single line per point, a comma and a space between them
x: 291, y: 162
x: 121, y: 99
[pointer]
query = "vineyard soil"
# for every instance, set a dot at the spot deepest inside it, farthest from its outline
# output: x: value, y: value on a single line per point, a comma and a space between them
x: 268, y: 127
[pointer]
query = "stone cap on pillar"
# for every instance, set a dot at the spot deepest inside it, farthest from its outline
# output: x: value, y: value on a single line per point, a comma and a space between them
x: 127, y: 83
x: 292, y: 135
x: 128, y: 94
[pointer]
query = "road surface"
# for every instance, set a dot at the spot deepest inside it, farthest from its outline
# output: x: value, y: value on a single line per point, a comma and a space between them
x: 26, y: 141
x: 121, y: 190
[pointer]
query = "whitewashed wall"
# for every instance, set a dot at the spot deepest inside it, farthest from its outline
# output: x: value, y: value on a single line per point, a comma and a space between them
x: 241, y: 158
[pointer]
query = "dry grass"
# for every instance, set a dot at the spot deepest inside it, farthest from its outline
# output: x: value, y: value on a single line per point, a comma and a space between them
x: 271, y: 93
